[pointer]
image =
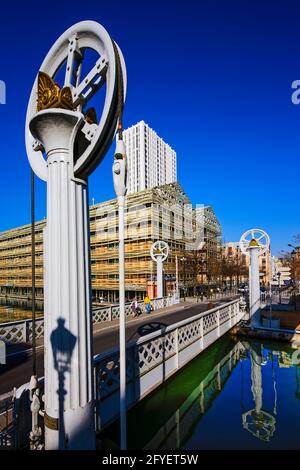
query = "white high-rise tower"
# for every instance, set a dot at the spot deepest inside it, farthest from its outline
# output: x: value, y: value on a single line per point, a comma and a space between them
x: 151, y: 162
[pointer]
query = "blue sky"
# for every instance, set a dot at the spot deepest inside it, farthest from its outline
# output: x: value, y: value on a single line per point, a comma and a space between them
x: 212, y: 77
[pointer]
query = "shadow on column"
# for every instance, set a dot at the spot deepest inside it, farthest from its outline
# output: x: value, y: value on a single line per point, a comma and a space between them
x: 63, y: 343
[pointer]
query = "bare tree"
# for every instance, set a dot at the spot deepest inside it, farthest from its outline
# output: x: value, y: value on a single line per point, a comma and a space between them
x: 233, y: 268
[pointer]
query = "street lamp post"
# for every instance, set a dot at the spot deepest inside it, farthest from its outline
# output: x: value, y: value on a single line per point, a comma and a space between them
x: 183, y: 259
x: 202, y: 286
x: 279, y: 289
x: 159, y: 253
x: 258, y: 244
x: 120, y: 184
x: 177, y: 281
x: 260, y: 423
x: 65, y: 142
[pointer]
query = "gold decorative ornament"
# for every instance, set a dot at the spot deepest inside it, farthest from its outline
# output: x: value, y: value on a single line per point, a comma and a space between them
x: 51, y: 96
x: 253, y: 242
x: 51, y: 423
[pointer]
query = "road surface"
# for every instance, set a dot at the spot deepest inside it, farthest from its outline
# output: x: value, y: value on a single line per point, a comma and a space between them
x: 18, y: 369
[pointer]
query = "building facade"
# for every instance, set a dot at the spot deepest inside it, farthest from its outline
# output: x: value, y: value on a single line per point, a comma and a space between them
x: 151, y: 162
x: 15, y: 261
x: 163, y: 213
x: 239, y: 262
x: 295, y: 266
x: 207, y: 244
x: 282, y: 273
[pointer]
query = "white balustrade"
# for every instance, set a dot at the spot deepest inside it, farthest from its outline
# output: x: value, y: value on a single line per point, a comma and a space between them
x: 21, y: 331
x: 155, y: 357
x: 150, y: 361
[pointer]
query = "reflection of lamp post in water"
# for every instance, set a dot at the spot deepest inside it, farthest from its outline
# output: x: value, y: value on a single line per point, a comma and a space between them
x: 201, y: 262
x: 259, y: 423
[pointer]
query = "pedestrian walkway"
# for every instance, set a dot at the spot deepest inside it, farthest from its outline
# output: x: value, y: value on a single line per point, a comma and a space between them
x: 189, y: 302
x: 141, y: 318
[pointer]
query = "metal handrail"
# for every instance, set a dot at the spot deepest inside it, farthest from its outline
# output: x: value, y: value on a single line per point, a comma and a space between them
x: 166, y: 330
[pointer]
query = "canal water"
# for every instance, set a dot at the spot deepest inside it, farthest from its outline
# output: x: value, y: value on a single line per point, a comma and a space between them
x: 16, y: 309
x: 236, y: 395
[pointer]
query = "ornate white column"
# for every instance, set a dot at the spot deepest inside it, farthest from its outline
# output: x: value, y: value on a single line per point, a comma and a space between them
x: 254, y: 243
x: 69, y: 410
x: 65, y: 142
x: 159, y: 253
x: 159, y: 276
x: 254, y: 285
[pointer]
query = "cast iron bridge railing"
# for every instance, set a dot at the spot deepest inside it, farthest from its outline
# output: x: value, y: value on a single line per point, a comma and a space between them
x: 21, y: 331
x: 7, y: 424
x: 150, y: 361
x: 153, y: 358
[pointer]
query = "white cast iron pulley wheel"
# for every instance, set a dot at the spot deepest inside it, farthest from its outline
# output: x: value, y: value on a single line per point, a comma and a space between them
x: 66, y: 58
x: 261, y: 237
x: 159, y: 249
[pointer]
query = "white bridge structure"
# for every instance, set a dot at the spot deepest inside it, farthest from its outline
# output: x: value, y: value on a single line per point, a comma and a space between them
x: 21, y: 331
x: 151, y: 360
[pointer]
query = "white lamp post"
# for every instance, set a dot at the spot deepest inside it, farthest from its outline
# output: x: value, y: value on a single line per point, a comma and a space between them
x: 177, y: 279
x: 120, y: 176
x: 254, y: 243
x: 159, y: 253
x: 65, y: 142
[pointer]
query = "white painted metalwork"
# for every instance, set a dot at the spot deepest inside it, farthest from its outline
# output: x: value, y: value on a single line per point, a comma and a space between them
x: 177, y: 276
x: 73, y: 148
x: 21, y: 331
x: 119, y: 170
x: 260, y: 236
x: 150, y: 361
x: 257, y: 421
x: 254, y: 243
x: 154, y: 358
x: 7, y: 422
x: 159, y: 253
x: 159, y: 249
x: 68, y: 50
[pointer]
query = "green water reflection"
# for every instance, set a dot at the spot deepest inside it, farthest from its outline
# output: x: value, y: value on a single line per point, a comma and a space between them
x: 236, y: 395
